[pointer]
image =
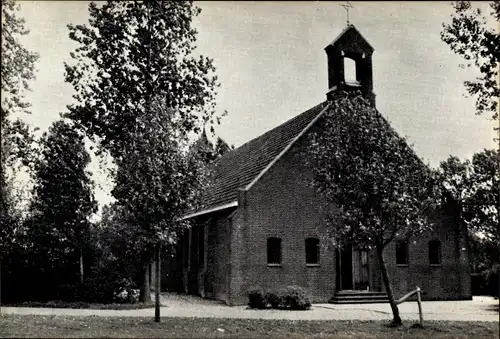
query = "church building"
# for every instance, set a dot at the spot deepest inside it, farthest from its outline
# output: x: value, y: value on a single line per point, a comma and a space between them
x: 261, y: 224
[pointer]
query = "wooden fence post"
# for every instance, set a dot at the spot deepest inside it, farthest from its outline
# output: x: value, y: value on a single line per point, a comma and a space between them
x: 419, y: 301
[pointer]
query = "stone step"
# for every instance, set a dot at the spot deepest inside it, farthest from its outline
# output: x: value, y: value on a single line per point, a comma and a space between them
x: 358, y: 297
x: 361, y: 301
x: 362, y: 293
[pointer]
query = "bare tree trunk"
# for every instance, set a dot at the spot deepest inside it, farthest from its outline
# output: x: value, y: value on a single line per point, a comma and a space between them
x: 81, y: 265
x: 145, y: 291
x: 157, y: 284
x: 388, y: 288
x: 0, y: 286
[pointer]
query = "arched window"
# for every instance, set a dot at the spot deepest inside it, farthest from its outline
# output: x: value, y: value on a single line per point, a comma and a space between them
x: 312, y: 251
x: 273, y: 251
x: 350, y: 71
x: 434, y: 252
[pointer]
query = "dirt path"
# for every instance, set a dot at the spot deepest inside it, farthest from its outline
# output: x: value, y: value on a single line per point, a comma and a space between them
x: 479, y: 309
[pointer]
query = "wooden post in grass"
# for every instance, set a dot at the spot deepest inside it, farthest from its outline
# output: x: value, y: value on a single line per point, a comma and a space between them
x: 157, y: 284
x: 417, y: 291
x: 419, y: 301
x: 0, y: 286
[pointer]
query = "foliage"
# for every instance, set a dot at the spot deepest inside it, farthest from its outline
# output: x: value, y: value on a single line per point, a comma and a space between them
x: 382, y: 189
x: 289, y: 297
x: 361, y: 165
x: 48, y: 244
x: 221, y: 147
x: 127, y: 295
x: 273, y: 299
x: 475, y: 185
x: 485, y: 198
x: 18, y: 63
x: 485, y: 267
x: 469, y: 36
x: 156, y: 180
x: 129, y: 54
x: 486, y: 282
x: 63, y: 198
x: 17, y: 69
x: 140, y: 93
x: 9, y: 221
x: 83, y: 305
x: 206, y: 151
x: 117, y: 239
x: 203, y: 149
x: 120, y: 251
x: 256, y: 298
x: 103, y: 285
x: 295, y: 298
x: 484, y: 254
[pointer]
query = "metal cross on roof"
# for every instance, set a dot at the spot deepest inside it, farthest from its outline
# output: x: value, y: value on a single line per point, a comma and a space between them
x: 346, y: 7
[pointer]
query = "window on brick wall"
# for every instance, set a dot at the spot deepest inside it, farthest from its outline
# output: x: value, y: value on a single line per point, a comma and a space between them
x: 435, y: 252
x: 312, y: 251
x: 274, y: 251
x: 401, y: 252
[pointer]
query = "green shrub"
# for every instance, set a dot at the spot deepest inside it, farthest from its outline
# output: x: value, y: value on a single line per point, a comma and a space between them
x: 256, y: 298
x: 486, y: 282
x: 124, y: 293
x: 295, y: 298
x: 273, y: 299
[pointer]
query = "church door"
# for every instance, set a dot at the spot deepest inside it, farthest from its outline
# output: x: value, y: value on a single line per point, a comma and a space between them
x: 360, y: 270
x: 352, y: 269
x: 344, y: 268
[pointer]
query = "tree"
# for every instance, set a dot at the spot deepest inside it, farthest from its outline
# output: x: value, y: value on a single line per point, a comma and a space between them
x: 221, y: 147
x: 18, y: 63
x: 484, y: 254
x: 63, y: 200
x: 156, y: 181
x: 117, y: 238
x: 140, y: 93
x: 208, y: 152
x: 17, y: 69
x: 131, y: 53
x: 475, y: 186
x: 469, y: 36
x: 119, y: 250
x: 382, y: 190
x: 204, y: 149
x: 485, y: 199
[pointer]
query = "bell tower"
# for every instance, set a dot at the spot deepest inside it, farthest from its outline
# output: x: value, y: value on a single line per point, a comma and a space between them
x: 350, y: 64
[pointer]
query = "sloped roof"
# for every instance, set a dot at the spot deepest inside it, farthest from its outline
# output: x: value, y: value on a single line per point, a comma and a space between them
x: 351, y: 26
x: 239, y: 167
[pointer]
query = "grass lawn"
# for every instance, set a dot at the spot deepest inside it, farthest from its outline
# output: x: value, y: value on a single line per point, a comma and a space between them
x: 92, y: 327
x: 79, y: 304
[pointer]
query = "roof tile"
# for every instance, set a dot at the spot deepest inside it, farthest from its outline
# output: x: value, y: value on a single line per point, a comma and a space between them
x: 239, y: 167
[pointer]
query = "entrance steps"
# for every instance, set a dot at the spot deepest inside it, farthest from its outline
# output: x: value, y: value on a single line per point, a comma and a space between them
x: 358, y: 297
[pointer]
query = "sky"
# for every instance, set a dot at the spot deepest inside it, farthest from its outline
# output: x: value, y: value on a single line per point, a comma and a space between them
x: 271, y: 62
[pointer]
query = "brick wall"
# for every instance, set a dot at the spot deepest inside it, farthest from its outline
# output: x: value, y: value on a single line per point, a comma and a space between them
x: 448, y: 281
x: 281, y: 204
x: 217, y: 266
